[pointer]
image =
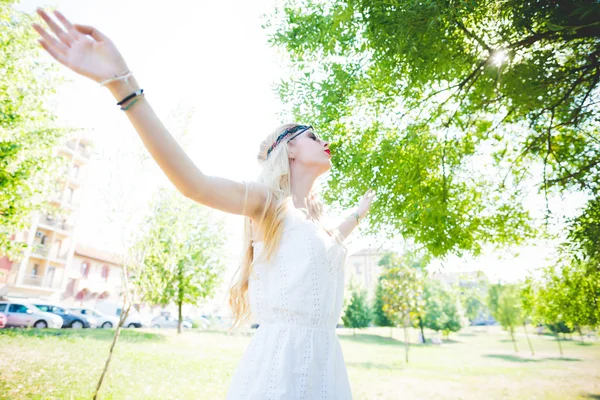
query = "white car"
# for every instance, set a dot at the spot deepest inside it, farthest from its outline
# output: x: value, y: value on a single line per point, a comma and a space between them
x: 166, y: 321
x: 25, y: 314
x: 136, y: 320
x: 101, y: 320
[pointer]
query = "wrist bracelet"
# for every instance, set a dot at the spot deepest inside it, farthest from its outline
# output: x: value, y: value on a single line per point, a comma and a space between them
x: 125, y: 77
x: 131, y: 96
x: 128, y: 106
x: 355, y: 214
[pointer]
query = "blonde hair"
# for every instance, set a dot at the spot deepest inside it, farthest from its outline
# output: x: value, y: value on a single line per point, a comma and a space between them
x: 275, y: 174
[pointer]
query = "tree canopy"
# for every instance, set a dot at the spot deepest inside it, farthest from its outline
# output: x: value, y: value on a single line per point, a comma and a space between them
x: 453, y: 109
x: 180, y: 250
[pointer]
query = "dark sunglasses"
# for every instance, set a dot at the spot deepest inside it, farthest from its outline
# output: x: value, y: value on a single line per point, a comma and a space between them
x: 301, y: 131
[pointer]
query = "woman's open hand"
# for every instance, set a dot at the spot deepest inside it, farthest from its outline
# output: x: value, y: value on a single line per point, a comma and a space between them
x: 365, y: 203
x: 81, y: 48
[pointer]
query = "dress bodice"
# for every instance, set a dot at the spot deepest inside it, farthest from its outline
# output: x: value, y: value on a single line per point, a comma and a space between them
x: 303, y: 283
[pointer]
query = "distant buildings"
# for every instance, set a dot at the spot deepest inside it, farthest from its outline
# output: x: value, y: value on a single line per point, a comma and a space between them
x: 363, y: 270
x: 41, y: 270
x: 93, y: 275
x: 461, y: 279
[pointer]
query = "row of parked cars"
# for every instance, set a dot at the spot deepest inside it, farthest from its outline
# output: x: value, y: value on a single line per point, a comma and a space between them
x: 48, y: 315
x: 40, y: 314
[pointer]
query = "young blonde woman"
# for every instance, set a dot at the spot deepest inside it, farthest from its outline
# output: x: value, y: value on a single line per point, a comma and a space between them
x: 291, y: 279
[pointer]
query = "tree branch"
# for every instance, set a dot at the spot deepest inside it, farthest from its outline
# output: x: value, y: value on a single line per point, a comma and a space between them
x: 473, y: 36
x: 573, y: 174
x: 528, y: 41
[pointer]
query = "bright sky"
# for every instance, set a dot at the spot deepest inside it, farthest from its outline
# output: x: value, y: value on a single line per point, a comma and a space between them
x: 211, y: 59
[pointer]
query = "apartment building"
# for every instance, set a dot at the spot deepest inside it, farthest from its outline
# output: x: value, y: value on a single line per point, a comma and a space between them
x: 41, y: 270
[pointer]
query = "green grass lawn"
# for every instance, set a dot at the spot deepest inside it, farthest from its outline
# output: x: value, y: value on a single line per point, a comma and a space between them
x: 158, y: 364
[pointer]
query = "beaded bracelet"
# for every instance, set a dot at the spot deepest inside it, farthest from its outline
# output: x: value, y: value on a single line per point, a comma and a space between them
x: 355, y: 215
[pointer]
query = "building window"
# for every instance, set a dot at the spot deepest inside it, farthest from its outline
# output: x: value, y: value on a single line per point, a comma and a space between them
x: 105, y: 272
x: 85, y: 269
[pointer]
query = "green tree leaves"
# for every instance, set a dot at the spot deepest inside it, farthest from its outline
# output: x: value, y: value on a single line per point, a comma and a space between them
x: 442, y: 311
x: 182, y: 251
x: 357, y: 313
x: 448, y: 107
x: 28, y: 135
x: 504, y: 302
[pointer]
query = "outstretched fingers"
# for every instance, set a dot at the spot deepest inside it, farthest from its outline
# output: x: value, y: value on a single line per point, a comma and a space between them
x: 51, y: 40
x: 67, y: 24
x: 57, y: 55
x: 58, y: 31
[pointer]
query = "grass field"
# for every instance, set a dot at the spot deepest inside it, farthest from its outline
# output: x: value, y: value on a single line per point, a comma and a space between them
x: 158, y: 364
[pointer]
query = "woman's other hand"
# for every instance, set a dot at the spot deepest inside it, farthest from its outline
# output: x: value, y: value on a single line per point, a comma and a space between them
x: 365, y: 203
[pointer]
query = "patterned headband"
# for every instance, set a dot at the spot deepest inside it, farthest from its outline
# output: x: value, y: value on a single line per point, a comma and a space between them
x: 298, y: 129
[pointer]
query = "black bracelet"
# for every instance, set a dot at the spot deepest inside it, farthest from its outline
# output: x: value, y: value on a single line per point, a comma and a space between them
x: 131, y: 96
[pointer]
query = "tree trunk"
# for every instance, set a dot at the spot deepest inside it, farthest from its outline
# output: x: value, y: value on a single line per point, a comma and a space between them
x: 353, y: 331
x: 180, y: 296
x: 528, y: 341
x: 124, y: 313
x: 559, y: 345
x: 512, y: 335
x: 391, y: 331
x: 122, y: 317
x: 580, y: 333
x: 180, y: 312
x: 406, y: 341
x: 422, y: 331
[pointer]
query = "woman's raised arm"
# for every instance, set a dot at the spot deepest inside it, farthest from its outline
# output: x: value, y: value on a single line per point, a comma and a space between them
x: 88, y: 52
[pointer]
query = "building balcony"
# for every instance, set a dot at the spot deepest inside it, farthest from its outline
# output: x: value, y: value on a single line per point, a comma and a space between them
x: 40, y: 250
x: 80, y: 159
x: 84, y: 152
x: 67, y: 149
x: 57, y: 224
x: 39, y: 281
x: 75, y: 183
x: 33, y: 280
x: 59, y: 259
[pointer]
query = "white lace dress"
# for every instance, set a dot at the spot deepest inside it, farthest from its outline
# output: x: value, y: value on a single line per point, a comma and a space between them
x: 297, y: 300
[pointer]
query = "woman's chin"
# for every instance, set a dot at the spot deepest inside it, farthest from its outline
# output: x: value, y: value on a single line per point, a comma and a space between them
x: 327, y: 166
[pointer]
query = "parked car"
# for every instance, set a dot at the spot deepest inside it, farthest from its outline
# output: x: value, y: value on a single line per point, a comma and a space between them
x: 3, y: 320
x: 70, y: 320
x: 199, y: 322
x: 25, y: 314
x: 166, y: 321
x: 137, y: 320
x: 102, y: 320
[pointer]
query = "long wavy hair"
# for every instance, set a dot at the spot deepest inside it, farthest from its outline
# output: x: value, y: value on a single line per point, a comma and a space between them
x: 275, y: 173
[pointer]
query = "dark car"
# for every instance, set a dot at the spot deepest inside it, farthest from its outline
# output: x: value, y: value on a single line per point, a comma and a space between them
x: 70, y: 320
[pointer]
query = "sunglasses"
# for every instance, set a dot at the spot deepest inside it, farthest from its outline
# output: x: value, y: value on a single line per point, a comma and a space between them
x: 301, y: 131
